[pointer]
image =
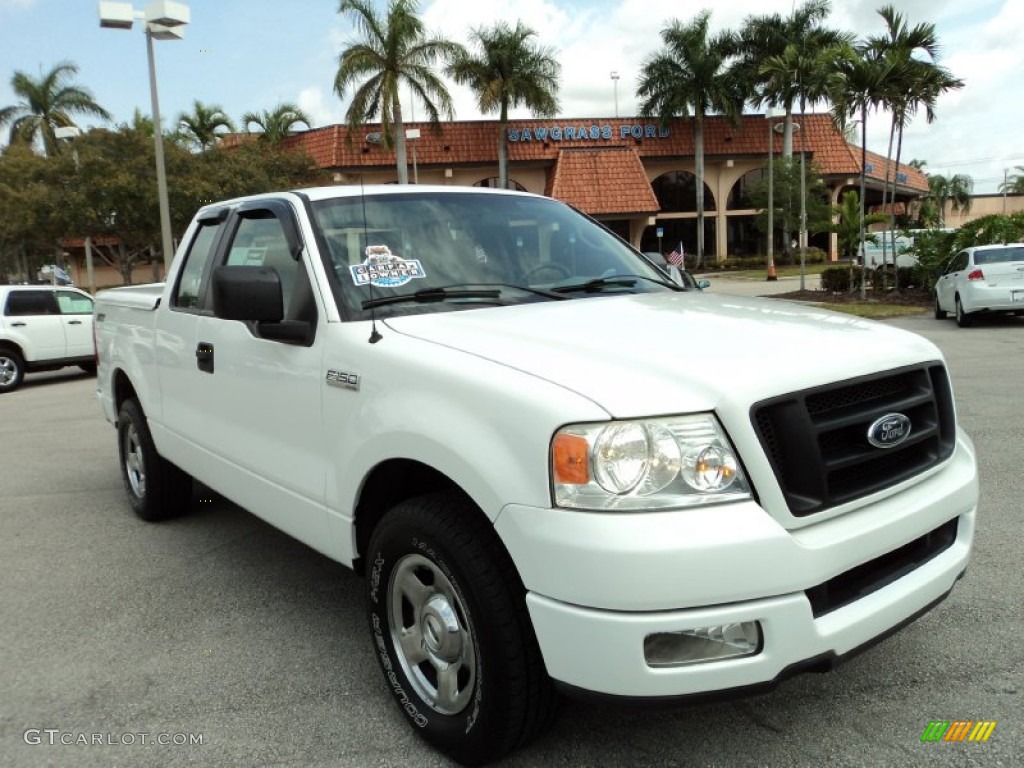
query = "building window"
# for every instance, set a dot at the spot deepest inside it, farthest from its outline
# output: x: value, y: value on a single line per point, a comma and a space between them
x: 676, y: 193
x: 493, y: 182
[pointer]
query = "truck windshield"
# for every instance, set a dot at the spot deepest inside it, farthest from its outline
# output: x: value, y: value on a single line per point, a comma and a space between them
x: 525, y: 249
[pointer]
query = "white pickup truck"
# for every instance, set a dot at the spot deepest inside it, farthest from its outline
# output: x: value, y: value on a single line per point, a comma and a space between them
x: 557, y: 470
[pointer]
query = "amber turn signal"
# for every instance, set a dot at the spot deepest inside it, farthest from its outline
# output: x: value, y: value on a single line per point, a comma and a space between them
x: 569, y: 457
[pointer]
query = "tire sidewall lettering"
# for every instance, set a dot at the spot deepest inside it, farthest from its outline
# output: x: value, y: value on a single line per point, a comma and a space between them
x: 418, y: 711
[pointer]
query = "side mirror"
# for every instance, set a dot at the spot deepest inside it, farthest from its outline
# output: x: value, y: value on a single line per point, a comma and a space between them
x: 253, y: 295
x: 703, y: 283
x: 249, y: 294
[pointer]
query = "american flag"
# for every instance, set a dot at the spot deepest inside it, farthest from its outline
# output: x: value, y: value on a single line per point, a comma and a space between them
x: 676, y: 257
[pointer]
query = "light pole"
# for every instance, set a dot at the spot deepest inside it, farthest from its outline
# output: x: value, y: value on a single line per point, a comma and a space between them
x: 769, y: 116
x: 615, y: 89
x: 164, y: 20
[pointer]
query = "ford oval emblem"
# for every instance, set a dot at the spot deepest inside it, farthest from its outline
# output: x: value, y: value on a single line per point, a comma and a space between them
x: 889, y: 431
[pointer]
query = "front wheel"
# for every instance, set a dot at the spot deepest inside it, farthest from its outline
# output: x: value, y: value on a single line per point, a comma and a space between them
x: 157, y: 489
x: 451, y: 630
x: 12, y: 370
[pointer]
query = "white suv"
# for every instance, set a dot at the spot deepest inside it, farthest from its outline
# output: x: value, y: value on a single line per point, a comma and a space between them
x: 986, y: 278
x: 43, y: 328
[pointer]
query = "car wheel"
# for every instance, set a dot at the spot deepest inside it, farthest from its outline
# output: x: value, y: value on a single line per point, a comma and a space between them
x: 451, y: 630
x: 940, y: 313
x: 963, y: 319
x: 12, y: 370
x: 157, y: 489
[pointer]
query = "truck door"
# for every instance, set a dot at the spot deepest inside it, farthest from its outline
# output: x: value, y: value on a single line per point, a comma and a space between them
x: 33, y: 316
x: 181, y: 412
x: 76, y: 315
x: 261, y: 398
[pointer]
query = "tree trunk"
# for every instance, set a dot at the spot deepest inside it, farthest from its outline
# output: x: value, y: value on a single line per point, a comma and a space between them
x: 401, y: 162
x: 886, y: 206
x: 503, y: 146
x: 899, y: 150
x: 124, y: 265
x: 863, y: 176
x: 698, y: 142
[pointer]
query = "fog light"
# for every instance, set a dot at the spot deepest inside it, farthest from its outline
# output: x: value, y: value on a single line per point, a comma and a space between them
x: 696, y: 646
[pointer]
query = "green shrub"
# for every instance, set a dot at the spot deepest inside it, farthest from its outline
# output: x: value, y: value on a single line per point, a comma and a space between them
x: 837, y: 279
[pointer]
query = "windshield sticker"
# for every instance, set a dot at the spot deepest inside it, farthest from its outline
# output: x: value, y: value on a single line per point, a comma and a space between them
x: 384, y: 269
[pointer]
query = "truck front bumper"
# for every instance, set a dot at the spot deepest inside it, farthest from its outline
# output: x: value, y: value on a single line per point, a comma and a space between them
x: 599, y: 585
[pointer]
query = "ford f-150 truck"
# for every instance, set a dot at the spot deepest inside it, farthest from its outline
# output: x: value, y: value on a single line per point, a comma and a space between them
x: 558, y: 470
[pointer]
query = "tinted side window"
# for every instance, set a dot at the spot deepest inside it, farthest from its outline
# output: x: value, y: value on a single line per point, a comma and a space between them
x: 72, y: 303
x: 260, y: 242
x: 191, y: 278
x: 21, y: 303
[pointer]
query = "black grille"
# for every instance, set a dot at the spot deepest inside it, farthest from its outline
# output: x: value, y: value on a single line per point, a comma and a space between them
x: 875, y: 574
x: 816, y: 440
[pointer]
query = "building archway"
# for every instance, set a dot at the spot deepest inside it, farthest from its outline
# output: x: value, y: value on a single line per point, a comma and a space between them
x: 677, y: 193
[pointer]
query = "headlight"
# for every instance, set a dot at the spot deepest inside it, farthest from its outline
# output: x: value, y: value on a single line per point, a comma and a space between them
x: 646, y: 464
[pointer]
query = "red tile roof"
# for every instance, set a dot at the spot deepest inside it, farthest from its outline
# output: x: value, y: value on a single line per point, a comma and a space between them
x: 602, y: 181
x: 474, y: 142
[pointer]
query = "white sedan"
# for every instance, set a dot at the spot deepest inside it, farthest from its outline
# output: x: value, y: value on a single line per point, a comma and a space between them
x: 986, y: 278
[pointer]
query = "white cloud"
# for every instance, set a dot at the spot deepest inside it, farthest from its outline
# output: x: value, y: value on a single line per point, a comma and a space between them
x: 321, y: 109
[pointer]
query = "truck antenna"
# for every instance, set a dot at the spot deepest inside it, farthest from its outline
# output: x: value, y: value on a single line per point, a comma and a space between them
x: 374, y: 334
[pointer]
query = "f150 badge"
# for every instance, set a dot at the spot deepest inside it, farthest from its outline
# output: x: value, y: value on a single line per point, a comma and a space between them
x: 342, y: 379
x: 889, y: 431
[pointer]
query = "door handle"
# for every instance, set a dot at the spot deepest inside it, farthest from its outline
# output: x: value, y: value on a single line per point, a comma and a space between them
x: 204, y: 357
x: 74, y: 322
x: 18, y: 325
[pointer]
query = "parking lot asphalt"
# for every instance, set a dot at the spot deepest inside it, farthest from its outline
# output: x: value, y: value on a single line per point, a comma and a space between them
x: 219, y: 627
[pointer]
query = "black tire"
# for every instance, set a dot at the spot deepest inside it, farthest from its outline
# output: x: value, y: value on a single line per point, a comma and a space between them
x: 437, y: 574
x: 12, y: 370
x: 157, y: 489
x: 963, y: 319
x: 940, y: 314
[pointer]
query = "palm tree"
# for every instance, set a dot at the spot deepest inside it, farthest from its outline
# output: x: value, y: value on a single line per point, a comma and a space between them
x: 277, y: 123
x: 848, y: 227
x: 780, y: 59
x: 507, y: 72
x: 691, y: 74
x: 788, y: 59
x: 47, y: 103
x: 856, y: 87
x: 1014, y: 185
x: 916, y: 81
x: 395, y: 49
x: 955, y: 190
x: 200, y: 126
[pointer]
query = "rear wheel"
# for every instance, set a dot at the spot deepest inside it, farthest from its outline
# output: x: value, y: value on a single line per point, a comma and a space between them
x: 157, y: 490
x: 963, y: 319
x: 940, y: 313
x: 451, y: 630
x: 12, y: 370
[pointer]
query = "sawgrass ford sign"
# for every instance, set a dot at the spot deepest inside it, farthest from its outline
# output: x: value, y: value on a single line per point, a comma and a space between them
x: 593, y: 132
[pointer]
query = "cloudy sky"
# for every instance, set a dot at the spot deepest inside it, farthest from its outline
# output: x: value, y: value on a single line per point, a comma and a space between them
x: 249, y: 55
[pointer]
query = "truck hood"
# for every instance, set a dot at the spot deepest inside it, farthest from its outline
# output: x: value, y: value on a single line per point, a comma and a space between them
x: 647, y: 354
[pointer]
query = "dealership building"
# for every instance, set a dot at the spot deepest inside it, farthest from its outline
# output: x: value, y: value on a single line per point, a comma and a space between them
x: 633, y: 174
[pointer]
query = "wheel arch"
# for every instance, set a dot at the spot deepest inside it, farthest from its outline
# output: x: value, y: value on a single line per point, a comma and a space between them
x: 389, y: 483
x: 122, y: 389
x: 13, y: 346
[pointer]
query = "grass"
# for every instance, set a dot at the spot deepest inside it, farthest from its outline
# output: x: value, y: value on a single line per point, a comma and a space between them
x: 760, y: 274
x: 873, y: 310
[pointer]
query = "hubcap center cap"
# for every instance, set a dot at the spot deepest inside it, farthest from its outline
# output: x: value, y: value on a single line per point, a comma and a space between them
x: 442, y: 634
